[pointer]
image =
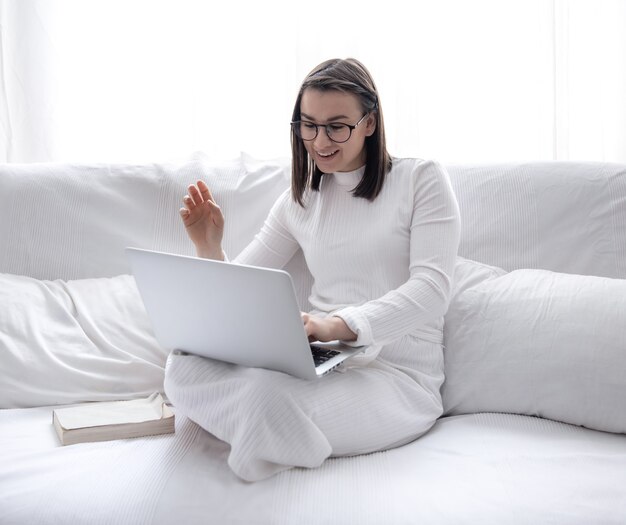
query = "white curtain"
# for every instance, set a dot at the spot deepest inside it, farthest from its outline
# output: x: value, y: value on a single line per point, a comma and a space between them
x: 460, y: 81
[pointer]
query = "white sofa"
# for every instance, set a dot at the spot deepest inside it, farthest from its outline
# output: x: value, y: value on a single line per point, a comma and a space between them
x: 535, y: 396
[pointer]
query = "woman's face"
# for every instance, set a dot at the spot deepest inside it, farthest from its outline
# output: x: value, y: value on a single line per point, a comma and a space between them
x: 336, y: 107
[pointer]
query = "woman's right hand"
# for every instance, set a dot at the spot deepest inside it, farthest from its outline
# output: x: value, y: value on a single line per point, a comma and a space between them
x: 204, y: 221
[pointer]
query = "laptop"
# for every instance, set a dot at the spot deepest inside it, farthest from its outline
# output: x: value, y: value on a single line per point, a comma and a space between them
x: 241, y: 314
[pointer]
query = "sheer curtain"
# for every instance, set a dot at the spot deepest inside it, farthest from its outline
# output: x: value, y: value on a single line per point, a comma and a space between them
x: 151, y: 80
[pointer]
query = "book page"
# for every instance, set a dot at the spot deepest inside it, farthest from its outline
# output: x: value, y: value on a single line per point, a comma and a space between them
x: 111, y: 413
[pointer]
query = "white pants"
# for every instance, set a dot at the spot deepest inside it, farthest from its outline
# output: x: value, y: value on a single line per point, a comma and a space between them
x: 274, y: 421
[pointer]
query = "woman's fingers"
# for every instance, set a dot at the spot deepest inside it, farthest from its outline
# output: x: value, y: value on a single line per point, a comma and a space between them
x: 199, y: 193
x: 199, y: 203
x: 204, y: 191
x: 188, y: 202
x: 306, y: 320
x: 195, y: 195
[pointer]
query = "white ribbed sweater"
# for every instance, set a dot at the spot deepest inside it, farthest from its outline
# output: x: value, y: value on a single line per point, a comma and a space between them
x: 384, y: 267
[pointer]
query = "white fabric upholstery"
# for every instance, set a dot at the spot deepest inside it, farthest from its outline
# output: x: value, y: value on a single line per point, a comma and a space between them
x: 539, y: 343
x: 487, y: 469
x: 73, y: 221
x: 64, y: 221
x: 561, y: 216
x: 68, y: 342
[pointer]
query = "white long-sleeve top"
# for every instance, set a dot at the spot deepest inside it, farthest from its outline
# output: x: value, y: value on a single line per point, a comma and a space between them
x: 384, y: 267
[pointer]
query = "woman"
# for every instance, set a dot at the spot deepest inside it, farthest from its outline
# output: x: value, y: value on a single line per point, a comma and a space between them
x: 380, y: 237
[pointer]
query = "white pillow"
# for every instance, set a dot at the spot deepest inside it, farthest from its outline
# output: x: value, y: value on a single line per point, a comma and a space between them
x: 67, y: 342
x: 539, y: 343
x: 562, y: 216
x: 73, y: 221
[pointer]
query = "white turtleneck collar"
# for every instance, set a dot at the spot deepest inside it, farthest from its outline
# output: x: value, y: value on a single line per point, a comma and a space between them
x: 349, y: 178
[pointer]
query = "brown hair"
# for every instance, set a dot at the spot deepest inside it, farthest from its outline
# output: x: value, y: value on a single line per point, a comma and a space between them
x: 348, y: 76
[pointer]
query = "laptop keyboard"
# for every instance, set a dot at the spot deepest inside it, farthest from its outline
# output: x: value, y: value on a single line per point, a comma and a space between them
x: 321, y: 355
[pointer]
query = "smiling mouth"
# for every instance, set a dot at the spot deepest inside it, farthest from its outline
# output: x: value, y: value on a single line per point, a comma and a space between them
x: 326, y: 155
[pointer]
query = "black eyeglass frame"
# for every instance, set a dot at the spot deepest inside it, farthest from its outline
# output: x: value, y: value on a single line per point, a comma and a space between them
x: 297, y: 123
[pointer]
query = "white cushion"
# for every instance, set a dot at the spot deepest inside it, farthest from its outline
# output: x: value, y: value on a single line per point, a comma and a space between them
x: 67, y: 342
x: 539, y: 343
x: 65, y: 221
x: 72, y: 221
x: 565, y: 217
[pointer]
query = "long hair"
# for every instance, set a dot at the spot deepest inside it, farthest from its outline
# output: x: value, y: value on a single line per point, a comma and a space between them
x: 347, y: 76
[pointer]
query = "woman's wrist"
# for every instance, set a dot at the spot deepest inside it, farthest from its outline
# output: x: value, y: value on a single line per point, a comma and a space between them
x: 206, y: 252
x: 341, y: 330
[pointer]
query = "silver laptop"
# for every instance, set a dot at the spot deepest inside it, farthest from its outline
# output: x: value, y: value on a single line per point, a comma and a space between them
x: 241, y: 314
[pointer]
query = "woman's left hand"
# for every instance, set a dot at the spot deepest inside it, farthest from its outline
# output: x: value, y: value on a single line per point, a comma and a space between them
x: 326, y: 328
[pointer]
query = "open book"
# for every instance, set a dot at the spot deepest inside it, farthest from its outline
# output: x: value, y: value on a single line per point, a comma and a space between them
x: 113, y: 420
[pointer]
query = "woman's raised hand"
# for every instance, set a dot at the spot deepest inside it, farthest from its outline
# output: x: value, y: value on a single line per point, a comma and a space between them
x: 204, y: 221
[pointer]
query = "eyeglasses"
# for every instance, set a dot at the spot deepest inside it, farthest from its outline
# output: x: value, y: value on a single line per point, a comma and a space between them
x: 337, y: 132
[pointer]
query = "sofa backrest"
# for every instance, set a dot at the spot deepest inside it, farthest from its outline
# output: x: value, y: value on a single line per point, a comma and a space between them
x: 567, y: 217
x: 67, y: 221
x: 73, y: 221
x: 63, y: 221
